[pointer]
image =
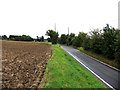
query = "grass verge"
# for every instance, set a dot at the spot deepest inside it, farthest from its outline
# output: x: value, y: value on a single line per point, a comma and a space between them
x: 100, y: 57
x: 62, y: 71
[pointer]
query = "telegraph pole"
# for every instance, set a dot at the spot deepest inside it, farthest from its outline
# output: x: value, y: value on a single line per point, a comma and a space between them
x: 119, y: 15
x: 68, y: 37
x: 55, y: 26
x: 68, y: 30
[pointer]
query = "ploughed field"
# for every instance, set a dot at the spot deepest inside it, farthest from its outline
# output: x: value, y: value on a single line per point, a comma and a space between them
x: 23, y: 63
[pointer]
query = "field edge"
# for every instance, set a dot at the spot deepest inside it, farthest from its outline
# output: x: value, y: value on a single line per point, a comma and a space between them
x: 45, y: 81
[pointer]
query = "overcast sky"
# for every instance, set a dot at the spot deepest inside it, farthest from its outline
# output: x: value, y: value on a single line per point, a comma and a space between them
x: 35, y: 17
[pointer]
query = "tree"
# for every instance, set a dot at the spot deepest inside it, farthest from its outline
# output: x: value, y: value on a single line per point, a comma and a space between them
x: 82, y: 40
x: 26, y: 38
x: 63, y: 39
x: 76, y: 41
x: 20, y: 38
x: 53, y: 36
x: 117, y: 47
x: 0, y: 37
x: 96, y: 41
x: 87, y: 43
x: 4, y: 37
x: 82, y: 37
x: 49, y: 40
x: 70, y: 39
x: 109, y: 37
x: 42, y: 38
x: 38, y: 38
x: 12, y: 37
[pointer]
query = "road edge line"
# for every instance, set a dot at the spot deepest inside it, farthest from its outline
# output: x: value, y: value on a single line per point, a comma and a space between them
x: 101, y: 62
x: 91, y: 71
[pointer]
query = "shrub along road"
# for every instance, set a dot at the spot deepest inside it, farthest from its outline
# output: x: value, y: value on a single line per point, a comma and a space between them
x: 108, y: 74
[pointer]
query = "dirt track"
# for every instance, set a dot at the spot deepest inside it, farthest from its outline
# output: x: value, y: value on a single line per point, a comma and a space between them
x: 23, y: 63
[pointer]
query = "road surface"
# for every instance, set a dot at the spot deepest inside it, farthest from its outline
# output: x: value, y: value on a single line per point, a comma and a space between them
x: 109, y: 75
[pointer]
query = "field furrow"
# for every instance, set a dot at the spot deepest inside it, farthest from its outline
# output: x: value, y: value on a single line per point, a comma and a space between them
x: 23, y: 63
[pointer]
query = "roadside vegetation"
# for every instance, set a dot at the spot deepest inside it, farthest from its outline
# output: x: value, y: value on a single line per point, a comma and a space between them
x: 22, y: 38
x: 101, y: 44
x: 63, y: 71
x: 99, y: 57
x: 104, y: 43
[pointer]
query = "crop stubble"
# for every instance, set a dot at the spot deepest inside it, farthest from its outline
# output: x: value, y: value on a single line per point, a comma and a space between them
x: 23, y: 63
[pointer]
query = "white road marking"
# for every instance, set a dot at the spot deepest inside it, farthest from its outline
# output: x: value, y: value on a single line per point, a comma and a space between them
x: 101, y: 62
x: 90, y: 70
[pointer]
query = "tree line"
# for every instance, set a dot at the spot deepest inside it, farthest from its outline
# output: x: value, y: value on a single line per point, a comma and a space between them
x: 105, y: 42
x: 21, y: 38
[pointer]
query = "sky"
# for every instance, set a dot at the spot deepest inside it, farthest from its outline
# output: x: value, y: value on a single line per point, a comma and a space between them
x: 35, y: 17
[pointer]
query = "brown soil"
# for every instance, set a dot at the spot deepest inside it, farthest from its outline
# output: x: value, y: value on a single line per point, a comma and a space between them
x: 23, y: 63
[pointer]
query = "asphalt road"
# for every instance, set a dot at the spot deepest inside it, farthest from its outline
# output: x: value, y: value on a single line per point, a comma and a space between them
x: 109, y: 75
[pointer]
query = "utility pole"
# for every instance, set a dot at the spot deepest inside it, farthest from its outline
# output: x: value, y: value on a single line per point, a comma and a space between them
x: 119, y: 15
x: 68, y: 30
x: 68, y: 37
x: 55, y: 27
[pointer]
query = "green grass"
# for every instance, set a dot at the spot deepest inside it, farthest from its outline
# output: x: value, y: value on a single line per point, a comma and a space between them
x: 62, y: 71
x: 100, y: 57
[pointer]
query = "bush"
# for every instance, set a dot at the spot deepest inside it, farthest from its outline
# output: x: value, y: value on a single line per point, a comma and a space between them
x: 76, y: 42
x: 20, y: 38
